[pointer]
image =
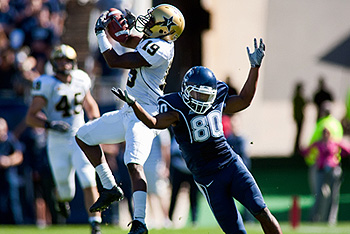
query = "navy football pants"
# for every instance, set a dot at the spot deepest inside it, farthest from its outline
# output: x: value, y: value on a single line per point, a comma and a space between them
x: 233, y: 181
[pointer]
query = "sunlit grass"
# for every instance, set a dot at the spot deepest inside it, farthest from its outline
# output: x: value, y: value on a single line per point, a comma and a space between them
x: 304, y: 228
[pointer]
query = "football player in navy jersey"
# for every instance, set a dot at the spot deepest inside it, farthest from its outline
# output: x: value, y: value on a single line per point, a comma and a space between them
x: 195, y: 115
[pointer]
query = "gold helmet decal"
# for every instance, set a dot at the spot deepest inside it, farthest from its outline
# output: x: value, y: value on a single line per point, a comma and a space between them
x: 163, y: 21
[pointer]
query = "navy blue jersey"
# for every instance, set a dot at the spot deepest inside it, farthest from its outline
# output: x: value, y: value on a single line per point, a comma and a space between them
x: 200, y: 137
x: 218, y: 171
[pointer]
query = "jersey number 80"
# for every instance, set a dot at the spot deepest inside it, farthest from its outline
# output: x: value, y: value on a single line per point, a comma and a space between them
x: 205, y: 126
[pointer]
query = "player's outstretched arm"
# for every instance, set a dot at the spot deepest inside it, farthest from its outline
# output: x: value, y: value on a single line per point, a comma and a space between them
x: 160, y: 121
x: 127, y: 60
x: 244, y: 98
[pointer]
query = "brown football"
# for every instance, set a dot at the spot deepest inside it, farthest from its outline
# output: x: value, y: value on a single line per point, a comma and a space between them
x: 118, y: 27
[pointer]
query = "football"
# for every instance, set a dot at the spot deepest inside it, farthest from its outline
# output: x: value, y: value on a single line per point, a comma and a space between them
x: 118, y: 26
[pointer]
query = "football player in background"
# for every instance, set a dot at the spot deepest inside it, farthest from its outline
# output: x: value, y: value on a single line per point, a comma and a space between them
x: 149, y: 64
x: 195, y: 114
x: 63, y: 97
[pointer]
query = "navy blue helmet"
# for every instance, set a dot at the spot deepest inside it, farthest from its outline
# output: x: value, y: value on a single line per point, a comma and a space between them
x: 198, y: 89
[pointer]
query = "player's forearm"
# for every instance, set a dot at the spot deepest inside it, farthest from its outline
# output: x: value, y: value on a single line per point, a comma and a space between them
x: 93, y: 113
x: 249, y: 88
x: 111, y: 57
x: 236, y: 103
x: 131, y: 42
x: 34, y: 121
x: 91, y: 108
x: 143, y: 115
x: 248, y: 91
x: 126, y: 60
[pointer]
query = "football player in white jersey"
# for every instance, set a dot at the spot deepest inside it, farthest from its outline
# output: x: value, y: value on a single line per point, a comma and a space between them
x: 149, y: 64
x: 63, y: 97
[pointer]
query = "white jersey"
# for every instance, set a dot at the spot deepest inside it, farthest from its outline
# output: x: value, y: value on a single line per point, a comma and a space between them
x: 146, y: 84
x: 64, y: 101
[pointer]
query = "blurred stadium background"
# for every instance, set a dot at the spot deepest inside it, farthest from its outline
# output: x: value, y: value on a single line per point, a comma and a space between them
x: 305, y: 40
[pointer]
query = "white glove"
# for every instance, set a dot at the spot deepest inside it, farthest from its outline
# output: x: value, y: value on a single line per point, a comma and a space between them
x: 102, y: 22
x: 256, y: 57
x: 59, y: 126
x: 123, y: 95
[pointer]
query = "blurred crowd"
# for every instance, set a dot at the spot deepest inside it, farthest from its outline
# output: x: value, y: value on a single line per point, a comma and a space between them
x: 28, y: 32
x: 327, y: 146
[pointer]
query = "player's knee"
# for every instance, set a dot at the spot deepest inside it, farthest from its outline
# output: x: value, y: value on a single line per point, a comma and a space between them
x: 88, y: 183
x: 83, y: 145
x: 79, y: 141
x: 65, y: 193
x: 83, y: 137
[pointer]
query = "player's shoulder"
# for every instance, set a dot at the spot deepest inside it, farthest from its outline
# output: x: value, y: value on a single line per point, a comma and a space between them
x: 158, y: 41
x: 222, y: 89
x: 45, y: 78
x: 170, y: 97
x: 221, y: 94
x: 173, y: 100
x: 79, y: 74
x: 43, y: 85
x: 221, y: 86
x: 81, y: 78
x: 156, y: 46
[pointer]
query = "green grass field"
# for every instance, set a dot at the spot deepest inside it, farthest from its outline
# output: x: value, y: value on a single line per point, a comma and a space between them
x: 304, y: 228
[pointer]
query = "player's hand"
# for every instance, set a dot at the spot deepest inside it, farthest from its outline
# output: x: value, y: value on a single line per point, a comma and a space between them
x: 130, y: 18
x: 59, y: 126
x: 256, y: 57
x: 102, y: 22
x: 123, y: 95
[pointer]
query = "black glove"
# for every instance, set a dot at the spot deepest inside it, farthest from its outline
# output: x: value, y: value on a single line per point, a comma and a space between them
x: 102, y: 22
x: 59, y: 126
x: 130, y: 18
x: 123, y: 95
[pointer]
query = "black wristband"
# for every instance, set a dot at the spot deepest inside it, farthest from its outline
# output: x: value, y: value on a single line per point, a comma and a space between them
x: 47, y: 124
